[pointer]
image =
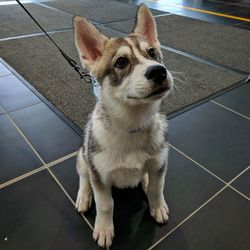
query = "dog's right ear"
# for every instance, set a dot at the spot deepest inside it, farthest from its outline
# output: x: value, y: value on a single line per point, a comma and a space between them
x: 145, y: 24
x: 89, y: 41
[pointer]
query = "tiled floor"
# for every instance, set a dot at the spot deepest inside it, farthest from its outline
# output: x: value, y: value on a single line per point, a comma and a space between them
x: 207, y: 184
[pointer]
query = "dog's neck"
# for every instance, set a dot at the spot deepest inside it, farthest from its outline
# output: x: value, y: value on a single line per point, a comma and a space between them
x: 128, y: 118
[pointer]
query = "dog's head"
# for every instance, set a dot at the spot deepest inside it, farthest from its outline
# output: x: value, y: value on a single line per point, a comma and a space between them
x: 129, y: 69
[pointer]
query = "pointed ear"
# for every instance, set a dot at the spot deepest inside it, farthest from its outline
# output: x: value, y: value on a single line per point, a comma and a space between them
x: 145, y: 24
x: 89, y: 40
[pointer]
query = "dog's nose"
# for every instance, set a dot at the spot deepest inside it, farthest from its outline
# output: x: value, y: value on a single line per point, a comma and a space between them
x: 156, y: 73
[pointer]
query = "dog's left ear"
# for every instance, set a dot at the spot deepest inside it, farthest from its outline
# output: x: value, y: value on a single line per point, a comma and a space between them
x: 145, y: 24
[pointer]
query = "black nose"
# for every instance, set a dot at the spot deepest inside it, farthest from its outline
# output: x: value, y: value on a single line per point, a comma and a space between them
x: 156, y: 73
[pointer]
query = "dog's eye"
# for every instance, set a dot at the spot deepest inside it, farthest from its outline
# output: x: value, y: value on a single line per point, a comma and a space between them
x: 121, y: 62
x: 153, y: 53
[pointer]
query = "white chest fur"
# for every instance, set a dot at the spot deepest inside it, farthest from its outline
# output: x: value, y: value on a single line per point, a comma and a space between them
x: 124, y: 155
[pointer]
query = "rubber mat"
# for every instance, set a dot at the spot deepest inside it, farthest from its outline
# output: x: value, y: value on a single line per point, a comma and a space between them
x: 15, y: 21
x: 101, y: 11
x: 41, y: 65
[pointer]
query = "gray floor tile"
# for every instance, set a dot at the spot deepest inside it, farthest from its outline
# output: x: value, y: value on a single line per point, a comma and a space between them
x: 3, y: 70
x: 237, y: 99
x: 2, y: 111
x: 15, y: 95
x: 50, y: 135
x: 243, y: 183
x: 214, y: 137
x: 16, y: 157
x: 224, y: 223
x: 36, y: 214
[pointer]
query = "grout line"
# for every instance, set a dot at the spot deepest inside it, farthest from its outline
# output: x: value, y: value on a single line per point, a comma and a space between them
x: 217, y: 177
x: 21, y: 177
x: 64, y: 158
x: 53, y: 8
x: 32, y: 172
x: 24, y: 137
x: 203, y: 205
x: 35, y: 34
x: 187, y: 218
x: 46, y: 167
x: 18, y: 109
x: 237, y: 191
x: 130, y: 19
x: 237, y: 176
x: 69, y: 197
x: 61, y: 186
x: 216, y: 103
x: 8, y: 74
x: 167, y: 14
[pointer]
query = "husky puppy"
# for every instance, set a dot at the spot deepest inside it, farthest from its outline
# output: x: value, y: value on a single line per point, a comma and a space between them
x: 125, y: 138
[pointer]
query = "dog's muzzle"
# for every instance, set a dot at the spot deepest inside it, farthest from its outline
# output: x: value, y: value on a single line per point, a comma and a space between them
x: 156, y: 74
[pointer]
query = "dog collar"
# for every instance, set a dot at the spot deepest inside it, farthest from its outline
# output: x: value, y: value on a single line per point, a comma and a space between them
x: 96, y: 87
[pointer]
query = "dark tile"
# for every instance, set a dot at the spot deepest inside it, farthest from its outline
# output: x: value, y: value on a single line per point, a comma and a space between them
x: 2, y: 111
x: 208, y: 17
x: 184, y: 193
x: 36, y: 214
x: 226, y: 9
x: 244, y: 14
x: 237, y: 99
x: 243, y: 183
x: 214, y: 137
x: 224, y: 223
x: 16, y: 157
x: 50, y: 135
x: 243, y: 25
x: 67, y: 175
x: 3, y: 70
x: 15, y: 95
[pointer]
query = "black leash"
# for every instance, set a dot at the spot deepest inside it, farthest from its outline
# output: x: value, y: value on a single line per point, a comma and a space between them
x: 83, y: 75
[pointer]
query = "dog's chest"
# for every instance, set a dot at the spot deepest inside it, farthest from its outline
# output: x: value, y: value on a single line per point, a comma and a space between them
x: 128, y: 151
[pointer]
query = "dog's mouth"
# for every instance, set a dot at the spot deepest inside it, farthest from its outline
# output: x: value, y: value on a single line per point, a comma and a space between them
x: 156, y: 93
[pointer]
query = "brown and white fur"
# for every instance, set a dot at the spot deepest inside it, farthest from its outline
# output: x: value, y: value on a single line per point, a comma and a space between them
x: 125, y: 139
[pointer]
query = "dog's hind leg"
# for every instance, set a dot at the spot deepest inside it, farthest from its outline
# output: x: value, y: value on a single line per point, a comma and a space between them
x: 84, y: 195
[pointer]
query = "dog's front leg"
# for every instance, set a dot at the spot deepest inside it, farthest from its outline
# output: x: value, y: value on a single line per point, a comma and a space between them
x: 104, y: 228
x: 158, y: 207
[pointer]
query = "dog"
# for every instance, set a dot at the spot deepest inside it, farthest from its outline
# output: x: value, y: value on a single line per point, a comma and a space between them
x: 125, y: 138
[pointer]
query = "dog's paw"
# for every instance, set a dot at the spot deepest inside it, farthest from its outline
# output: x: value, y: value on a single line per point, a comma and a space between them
x: 160, y: 213
x: 103, y: 235
x: 83, y: 200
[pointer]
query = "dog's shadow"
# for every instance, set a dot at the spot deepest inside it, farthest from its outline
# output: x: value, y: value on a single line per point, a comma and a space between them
x: 134, y: 227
